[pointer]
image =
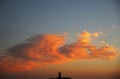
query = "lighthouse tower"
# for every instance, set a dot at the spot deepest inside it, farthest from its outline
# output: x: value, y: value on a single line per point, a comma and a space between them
x: 60, y: 76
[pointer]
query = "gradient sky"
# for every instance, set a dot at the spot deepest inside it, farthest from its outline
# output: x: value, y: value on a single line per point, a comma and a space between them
x: 21, y: 19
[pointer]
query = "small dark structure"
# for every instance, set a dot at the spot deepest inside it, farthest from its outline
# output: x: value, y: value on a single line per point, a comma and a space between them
x: 60, y: 77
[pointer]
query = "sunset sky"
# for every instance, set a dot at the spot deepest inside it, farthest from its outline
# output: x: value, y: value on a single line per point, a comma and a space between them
x: 43, y: 37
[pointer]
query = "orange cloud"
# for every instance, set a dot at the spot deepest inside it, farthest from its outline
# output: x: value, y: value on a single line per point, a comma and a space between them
x: 105, y: 52
x: 45, y: 49
x: 10, y: 64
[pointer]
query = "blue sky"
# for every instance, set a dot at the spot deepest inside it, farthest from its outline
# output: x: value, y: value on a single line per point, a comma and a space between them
x: 22, y: 18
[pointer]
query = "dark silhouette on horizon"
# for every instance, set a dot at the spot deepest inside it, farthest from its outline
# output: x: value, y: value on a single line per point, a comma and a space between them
x: 60, y: 77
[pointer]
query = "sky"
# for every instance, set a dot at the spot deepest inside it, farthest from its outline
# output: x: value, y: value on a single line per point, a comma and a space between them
x: 47, y: 36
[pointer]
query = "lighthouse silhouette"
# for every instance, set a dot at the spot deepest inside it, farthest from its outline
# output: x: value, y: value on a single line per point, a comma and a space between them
x: 60, y: 76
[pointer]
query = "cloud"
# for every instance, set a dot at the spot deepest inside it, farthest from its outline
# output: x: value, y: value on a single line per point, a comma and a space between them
x: 114, y: 27
x: 105, y: 52
x: 10, y: 64
x: 46, y: 49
